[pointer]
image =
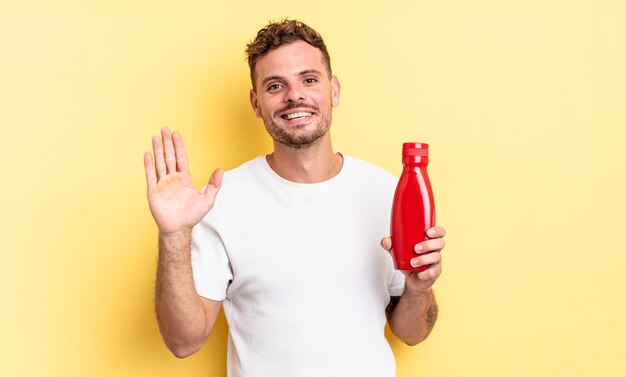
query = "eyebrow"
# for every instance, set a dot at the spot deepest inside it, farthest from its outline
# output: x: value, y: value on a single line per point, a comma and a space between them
x: 301, y: 73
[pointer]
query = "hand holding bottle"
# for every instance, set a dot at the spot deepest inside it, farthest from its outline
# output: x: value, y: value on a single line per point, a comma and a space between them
x: 174, y: 202
x: 427, y: 263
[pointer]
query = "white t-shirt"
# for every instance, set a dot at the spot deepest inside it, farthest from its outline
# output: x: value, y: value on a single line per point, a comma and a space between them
x: 299, y: 267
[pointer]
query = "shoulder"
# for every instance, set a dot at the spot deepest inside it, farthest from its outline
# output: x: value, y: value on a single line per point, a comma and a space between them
x: 248, y: 173
x: 361, y: 169
x: 246, y: 169
x: 239, y: 181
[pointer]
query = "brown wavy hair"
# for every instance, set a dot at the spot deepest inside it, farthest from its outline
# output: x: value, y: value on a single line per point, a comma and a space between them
x: 277, y: 34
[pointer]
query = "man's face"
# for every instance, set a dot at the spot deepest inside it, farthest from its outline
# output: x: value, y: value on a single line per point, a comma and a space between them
x: 294, y: 95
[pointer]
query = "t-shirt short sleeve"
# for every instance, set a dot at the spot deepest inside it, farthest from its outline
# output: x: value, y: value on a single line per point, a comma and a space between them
x: 396, y: 283
x: 212, y: 271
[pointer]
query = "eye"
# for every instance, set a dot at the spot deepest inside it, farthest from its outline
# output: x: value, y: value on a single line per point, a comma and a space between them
x: 310, y: 80
x: 274, y: 87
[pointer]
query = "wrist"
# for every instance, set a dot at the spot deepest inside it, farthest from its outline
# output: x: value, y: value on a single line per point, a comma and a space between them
x: 417, y: 292
x: 175, y: 243
x: 175, y: 235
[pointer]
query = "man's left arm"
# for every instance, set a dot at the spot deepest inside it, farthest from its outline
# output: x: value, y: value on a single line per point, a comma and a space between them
x: 412, y: 316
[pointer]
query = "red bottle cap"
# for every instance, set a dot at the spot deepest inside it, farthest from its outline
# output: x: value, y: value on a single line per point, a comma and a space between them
x: 415, y: 149
x: 415, y: 153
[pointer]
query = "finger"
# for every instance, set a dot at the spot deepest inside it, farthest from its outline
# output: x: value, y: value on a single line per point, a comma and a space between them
x: 148, y: 164
x: 436, y: 232
x: 168, y: 146
x: 215, y: 182
x: 181, y: 156
x: 431, y: 273
x: 429, y: 259
x: 386, y: 243
x: 159, y: 159
x: 435, y: 244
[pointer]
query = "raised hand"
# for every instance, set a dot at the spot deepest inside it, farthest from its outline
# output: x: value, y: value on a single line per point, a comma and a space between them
x: 174, y: 202
x: 432, y: 247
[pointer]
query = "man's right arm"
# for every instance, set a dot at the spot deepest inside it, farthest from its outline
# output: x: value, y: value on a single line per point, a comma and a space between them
x: 185, y: 318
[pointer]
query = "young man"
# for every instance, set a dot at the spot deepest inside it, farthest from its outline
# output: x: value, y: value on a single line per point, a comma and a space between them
x: 290, y: 244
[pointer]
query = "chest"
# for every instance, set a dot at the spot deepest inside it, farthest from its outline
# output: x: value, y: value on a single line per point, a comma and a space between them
x: 286, y: 247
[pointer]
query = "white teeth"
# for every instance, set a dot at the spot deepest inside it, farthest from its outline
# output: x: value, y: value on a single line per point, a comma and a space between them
x: 297, y: 115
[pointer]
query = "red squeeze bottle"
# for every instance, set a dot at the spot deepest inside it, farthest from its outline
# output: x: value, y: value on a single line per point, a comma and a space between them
x: 413, y: 209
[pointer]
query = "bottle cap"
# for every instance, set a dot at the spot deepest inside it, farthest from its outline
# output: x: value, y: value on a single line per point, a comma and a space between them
x: 415, y: 153
x: 414, y: 149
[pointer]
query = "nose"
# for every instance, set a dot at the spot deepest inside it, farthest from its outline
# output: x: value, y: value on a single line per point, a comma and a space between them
x: 294, y: 93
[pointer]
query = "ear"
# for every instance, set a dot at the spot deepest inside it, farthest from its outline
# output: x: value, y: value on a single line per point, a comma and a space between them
x: 254, y: 101
x: 335, y: 89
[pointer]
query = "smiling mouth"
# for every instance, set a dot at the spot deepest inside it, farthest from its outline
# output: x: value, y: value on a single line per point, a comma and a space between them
x: 298, y: 115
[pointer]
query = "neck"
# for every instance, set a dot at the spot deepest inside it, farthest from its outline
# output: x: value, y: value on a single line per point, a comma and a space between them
x: 315, y: 164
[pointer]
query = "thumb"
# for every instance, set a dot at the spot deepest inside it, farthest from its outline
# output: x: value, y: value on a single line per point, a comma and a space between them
x: 215, y: 182
x: 386, y: 243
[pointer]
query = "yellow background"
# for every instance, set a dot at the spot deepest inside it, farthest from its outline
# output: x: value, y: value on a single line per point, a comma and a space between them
x: 523, y: 103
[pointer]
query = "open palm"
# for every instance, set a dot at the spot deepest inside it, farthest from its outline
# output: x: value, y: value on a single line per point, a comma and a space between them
x: 174, y: 202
